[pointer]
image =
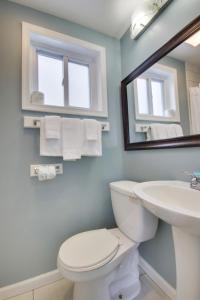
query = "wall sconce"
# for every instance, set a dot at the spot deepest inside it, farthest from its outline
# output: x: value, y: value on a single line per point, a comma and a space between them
x: 145, y: 15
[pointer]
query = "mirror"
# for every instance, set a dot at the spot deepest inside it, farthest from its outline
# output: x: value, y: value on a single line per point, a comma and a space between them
x: 161, y: 98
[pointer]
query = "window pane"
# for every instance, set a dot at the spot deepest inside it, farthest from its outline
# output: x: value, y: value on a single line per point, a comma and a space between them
x: 50, y: 79
x: 79, y: 85
x: 157, y: 97
x: 142, y: 90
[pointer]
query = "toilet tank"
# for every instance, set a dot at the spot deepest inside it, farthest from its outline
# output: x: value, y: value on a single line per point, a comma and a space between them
x: 131, y: 217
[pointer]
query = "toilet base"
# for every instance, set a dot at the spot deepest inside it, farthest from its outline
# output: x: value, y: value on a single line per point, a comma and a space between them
x: 96, y: 289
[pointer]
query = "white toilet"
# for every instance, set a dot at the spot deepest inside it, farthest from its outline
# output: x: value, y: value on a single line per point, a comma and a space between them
x: 103, y: 263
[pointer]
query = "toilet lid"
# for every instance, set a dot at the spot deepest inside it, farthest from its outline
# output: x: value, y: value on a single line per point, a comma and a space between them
x: 89, y: 250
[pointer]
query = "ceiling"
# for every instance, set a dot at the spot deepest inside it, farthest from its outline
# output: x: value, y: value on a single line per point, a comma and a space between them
x: 187, y: 53
x: 112, y: 17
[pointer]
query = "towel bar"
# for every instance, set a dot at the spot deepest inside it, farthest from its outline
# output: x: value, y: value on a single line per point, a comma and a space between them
x: 142, y: 127
x: 34, y: 122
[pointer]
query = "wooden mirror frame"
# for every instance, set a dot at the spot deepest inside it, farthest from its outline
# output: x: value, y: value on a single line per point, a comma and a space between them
x: 186, y: 141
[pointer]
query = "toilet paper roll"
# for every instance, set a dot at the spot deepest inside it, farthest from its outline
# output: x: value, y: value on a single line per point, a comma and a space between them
x: 46, y: 173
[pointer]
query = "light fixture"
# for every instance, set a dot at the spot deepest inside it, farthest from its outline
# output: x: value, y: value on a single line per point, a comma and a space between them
x: 194, y: 40
x: 145, y: 14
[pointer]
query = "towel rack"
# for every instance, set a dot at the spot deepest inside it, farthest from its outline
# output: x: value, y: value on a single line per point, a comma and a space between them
x: 34, y: 122
x: 142, y: 127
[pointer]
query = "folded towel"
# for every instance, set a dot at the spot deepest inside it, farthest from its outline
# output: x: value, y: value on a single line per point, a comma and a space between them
x: 158, y: 132
x: 92, y: 147
x: 173, y: 130
x: 165, y: 131
x: 91, y: 129
x: 49, y: 147
x: 72, y: 138
x: 52, y: 125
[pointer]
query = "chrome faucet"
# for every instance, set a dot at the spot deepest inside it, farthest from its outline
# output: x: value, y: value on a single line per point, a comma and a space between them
x: 195, y: 181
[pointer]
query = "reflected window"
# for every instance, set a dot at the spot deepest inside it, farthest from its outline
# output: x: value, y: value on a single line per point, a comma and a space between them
x: 157, y: 90
x: 143, y: 103
x: 156, y: 94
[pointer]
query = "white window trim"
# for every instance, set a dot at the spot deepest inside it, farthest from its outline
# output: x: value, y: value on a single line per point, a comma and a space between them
x: 101, y: 93
x: 147, y: 117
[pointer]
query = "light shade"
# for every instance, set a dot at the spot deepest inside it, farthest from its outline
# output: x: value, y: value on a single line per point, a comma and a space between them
x: 194, y: 40
x: 145, y: 14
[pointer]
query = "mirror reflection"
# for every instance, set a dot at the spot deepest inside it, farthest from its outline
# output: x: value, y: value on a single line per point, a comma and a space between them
x: 164, y: 101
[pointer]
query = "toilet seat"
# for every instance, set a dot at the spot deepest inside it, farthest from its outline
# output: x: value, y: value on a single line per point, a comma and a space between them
x: 89, y: 250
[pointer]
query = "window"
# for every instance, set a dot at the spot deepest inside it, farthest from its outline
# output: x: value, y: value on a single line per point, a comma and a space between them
x: 156, y: 95
x: 50, y: 79
x: 151, y: 96
x: 79, y: 85
x: 62, y: 74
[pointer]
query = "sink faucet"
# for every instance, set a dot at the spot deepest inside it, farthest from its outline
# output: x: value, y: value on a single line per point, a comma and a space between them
x: 195, y: 181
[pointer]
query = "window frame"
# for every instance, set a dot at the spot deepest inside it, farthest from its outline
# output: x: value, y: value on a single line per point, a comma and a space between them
x: 149, y: 76
x: 94, y: 56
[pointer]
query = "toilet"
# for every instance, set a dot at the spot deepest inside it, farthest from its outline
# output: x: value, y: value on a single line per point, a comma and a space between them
x: 103, y: 263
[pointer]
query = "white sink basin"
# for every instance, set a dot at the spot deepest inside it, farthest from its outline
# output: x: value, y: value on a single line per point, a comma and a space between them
x: 172, y: 201
x: 179, y: 205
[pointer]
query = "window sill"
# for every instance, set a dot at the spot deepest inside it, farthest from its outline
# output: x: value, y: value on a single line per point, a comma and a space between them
x: 65, y: 110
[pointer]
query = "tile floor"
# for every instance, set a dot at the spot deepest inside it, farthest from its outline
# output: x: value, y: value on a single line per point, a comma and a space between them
x: 62, y: 290
x: 149, y: 290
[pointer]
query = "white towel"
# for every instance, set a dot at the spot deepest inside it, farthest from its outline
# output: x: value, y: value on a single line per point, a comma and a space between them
x: 165, y: 131
x: 195, y: 110
x: 92, y: 129
x: 173, y: 130
x: 49, y: 147
x: 158, y: 132
x: 92, y: 147
x: 72, y: 138
x: 52, y: 127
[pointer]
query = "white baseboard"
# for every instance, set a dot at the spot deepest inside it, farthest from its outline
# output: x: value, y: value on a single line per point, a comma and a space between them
x: 29, y: 284
x: 158, y: 279
x: 48, y: 278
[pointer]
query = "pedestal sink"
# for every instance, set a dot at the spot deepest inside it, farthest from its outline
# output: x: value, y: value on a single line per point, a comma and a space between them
x: 179, y: 205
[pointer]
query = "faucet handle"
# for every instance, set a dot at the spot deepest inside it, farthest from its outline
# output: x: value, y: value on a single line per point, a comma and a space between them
x: 196, y: 174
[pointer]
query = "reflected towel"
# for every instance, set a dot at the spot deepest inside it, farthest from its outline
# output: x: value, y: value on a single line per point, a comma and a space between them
x: 165, y: 131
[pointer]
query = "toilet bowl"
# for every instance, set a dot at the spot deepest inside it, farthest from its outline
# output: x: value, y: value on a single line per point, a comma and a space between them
x: 103, y: 263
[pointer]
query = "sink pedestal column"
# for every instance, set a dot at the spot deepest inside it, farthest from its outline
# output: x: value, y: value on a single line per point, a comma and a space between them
x: 187, y: 250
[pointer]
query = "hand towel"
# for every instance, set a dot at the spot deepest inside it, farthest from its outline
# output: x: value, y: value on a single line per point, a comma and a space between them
x: 178, y: 130
x: 91, y: 129
x: 92, y: 147
x: 165, y: 131
x: 72, y: 138
x: 52, y: 126
x: 49, y: 147
x: 158, y: 131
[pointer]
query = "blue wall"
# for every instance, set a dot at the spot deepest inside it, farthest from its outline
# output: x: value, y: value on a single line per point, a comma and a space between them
x: 159, y: 164
x: 35, y: 218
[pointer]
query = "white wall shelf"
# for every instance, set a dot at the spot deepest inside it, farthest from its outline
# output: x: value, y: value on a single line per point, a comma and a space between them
x: 34, y: 122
